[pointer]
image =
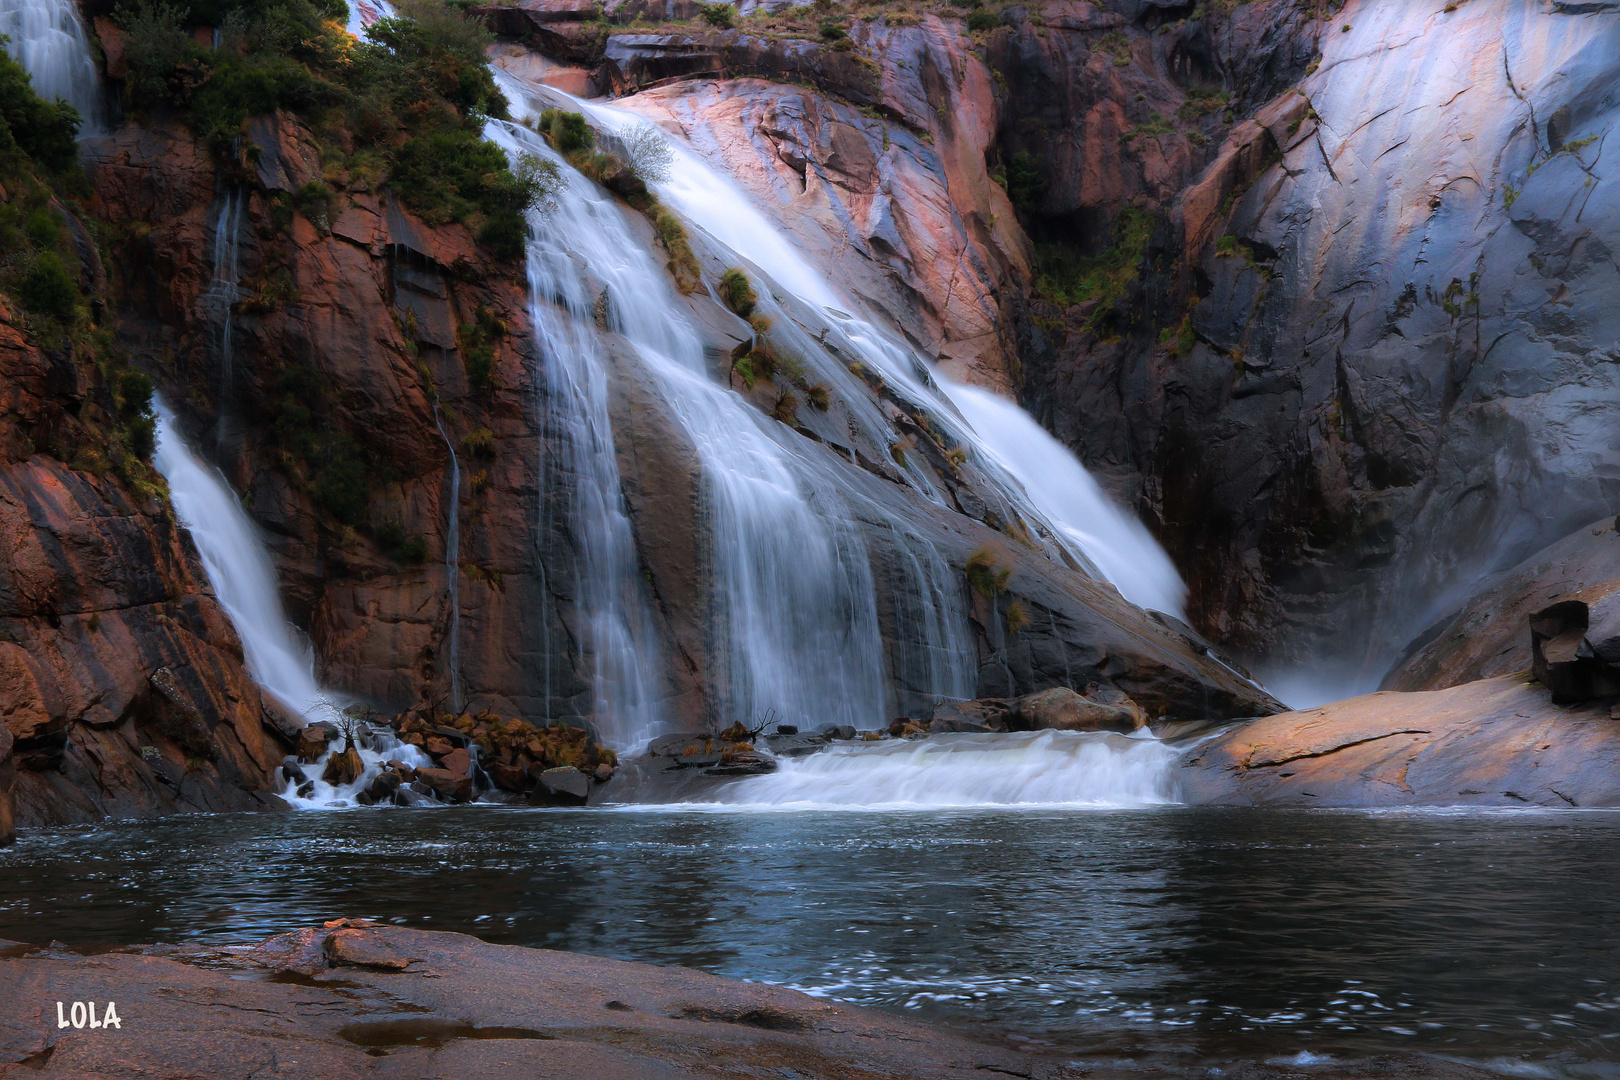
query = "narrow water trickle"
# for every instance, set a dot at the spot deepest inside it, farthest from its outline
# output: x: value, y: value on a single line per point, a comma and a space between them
x: 48, y: 39
x: 223, y: 292
x: 452, y: 565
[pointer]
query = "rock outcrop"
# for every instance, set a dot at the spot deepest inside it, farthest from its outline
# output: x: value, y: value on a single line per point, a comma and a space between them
x: 355, y: 999
x: 1230, y: 304
x: 1495, y: 742
x: 122, y: 686
x: 1388, y: 373
x: 348, y: 331
x: 1489, y: 634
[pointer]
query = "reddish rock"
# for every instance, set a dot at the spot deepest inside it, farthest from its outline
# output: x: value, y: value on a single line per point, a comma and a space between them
x: 1496, y: 742
x: 457, y: 761
x: 363, y: 948
x: 455, y: 787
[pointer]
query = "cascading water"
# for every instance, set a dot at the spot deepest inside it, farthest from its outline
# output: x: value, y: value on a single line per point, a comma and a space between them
x: 241, y: 573
x: 1039, y: 768
x: 1060, y: 486
x: 244, y: 579
x: 452, y: 565
x: 48, y: 40
x: 794, y: 626
x: 1042, y: 474
x: 1048, y: 767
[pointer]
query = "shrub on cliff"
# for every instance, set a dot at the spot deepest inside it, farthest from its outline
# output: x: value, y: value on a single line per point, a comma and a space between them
x: 42, y: 130
x: 413, y: 98
x: 736, y: 291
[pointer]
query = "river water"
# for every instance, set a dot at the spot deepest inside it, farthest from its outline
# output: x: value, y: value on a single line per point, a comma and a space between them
x: 1177, y: 935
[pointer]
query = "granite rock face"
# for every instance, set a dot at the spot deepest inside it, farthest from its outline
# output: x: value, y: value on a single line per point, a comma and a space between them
x: 1495, y: 742
x: 356, y: 318
x: 1400, y: 375
x: 1490, y: 634
x: 122, y: 687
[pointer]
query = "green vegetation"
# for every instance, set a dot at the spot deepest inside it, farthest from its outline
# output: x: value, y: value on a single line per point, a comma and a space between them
x: 717, y: 15
x: 737, y: 293
x: 987, y: 576
x: 1062, y: 278
x: 408, y: 104
x: 1203, y: 100
x: 477, y: 346
x: 1024, y: 182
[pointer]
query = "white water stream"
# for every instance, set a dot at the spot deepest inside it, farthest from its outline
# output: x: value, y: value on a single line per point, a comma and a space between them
x: 1055, y: 487
x: 279, y: 658
x: 795, y: 630
x: 1037, y: 768
x: 49, y: 41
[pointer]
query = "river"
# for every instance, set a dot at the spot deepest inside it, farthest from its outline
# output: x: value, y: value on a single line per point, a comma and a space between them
x: 1179, y: 935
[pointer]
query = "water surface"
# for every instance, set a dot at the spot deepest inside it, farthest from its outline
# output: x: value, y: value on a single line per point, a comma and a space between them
x: 1183, y: 934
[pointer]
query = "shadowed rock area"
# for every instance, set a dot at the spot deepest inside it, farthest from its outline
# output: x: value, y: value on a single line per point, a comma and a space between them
x: 354, y: 999
x: 1488, y: 636
x: 1495, y: 742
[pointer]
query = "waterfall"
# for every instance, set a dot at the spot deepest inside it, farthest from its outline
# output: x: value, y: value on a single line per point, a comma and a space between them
x: 1037, y: 768
x: 244, y: 579
x: 1043, y: 478
x: 48, y: 40
x: 1055, y: 481
x: 240, y: 570
x: 792, y: 616
x: 452, y: 564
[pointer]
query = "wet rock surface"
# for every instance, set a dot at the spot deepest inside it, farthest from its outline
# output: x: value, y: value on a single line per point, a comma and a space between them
x: 354, y: 999
x: 1494, y: 742
x: 122, y: 686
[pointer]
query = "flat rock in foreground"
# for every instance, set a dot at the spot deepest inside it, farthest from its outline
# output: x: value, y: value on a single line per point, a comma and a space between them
x: 354, y: 1000
x: 1495, y: 742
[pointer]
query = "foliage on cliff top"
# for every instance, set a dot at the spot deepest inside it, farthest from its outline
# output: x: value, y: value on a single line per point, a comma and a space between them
x: 43, y: 272
x: 414, y: 96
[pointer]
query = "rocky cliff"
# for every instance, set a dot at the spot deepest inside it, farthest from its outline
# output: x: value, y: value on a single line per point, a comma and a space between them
x: 122, y: 686
x: 332, y: 345
x: 1318, y: 288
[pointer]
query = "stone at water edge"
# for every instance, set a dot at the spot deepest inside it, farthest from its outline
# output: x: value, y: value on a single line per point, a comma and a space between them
x: 343, y: 768
x: 978, y: 715
x: 1061, y: 709
x: 564, y: 785
x: 446, y: 784
x: 457, y: 761
x: 313, y: 741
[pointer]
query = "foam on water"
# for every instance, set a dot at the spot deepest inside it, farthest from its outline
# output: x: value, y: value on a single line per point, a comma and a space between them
x: 1027, y: 769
